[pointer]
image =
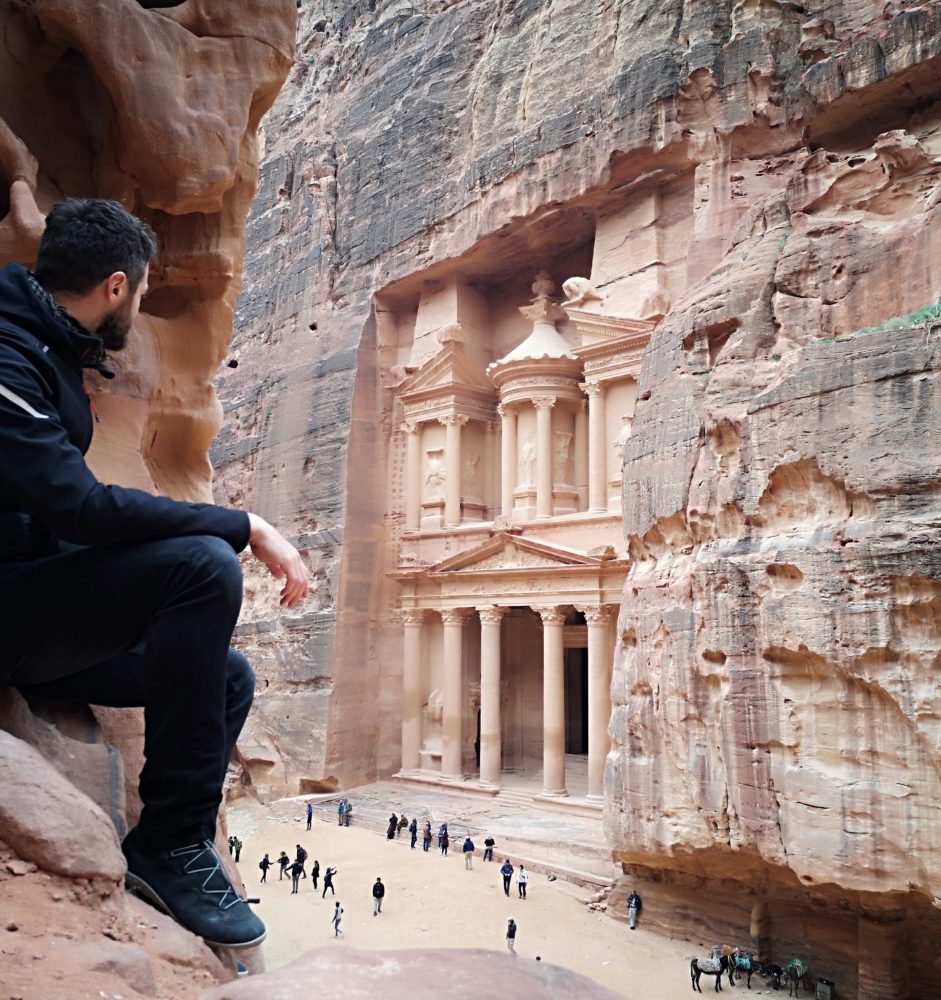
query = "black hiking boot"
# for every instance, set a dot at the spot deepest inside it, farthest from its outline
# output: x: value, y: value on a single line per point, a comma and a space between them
x: 190, y: 884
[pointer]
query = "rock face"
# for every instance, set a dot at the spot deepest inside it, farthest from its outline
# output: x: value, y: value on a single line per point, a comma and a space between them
x: 760, y: 176
x: 404, y: 974
x: 159, y: 109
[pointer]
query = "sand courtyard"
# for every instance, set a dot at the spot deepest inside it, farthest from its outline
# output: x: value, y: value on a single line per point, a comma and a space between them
x: 432, y: 901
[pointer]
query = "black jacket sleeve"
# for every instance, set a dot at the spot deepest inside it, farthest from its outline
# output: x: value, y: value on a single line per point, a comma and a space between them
x: 46, y: 476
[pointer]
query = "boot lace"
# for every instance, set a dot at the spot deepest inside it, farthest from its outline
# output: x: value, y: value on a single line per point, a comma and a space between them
x: 206, y: 861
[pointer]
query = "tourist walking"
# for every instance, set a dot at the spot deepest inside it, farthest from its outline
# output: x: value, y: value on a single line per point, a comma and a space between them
x: 413, y: 830
x: 283, y: 861
x: 506, y: 870
x: 328, y: 882
x: 468, y: 850
x: 378, y: 892
x: 295, y: 872
x: 341, y: 809
x: 347, y: 812
x: 633, y: 908
x: 335, y: 920
x: 403, y: 824
x: 393, y: 826
x: 238, y: 848
x: 426, y: 836
x: 315, y: 875
x: 442, y: 830
x: 301, y: 859
x: 264, y: 865
x: 511, y: 935
x: 489, y: 845
x: 445, y: 841
x: 231, y: 845
x: 310, y: 814
x: 521, y: 880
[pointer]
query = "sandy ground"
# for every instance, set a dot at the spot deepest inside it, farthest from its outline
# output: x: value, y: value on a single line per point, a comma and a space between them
x: 433, y: 902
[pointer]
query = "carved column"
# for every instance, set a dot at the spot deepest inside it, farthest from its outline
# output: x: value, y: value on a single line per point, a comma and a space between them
x: 413, y: 477
x: 490, y: 736
x: 414, y: 621
x: 599, y: 697
x: 544, y: 406
x: 553, y: 702
x: 452, y: 707
x: 488, y: 472
x: 581, y: 454
x: 597, y: 448
x: 452, y: 487
x: 508, y: 460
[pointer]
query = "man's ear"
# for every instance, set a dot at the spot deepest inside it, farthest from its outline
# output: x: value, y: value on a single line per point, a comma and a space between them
x: 116, y: 285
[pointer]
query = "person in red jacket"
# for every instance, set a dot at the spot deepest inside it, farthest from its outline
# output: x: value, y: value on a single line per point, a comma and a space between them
x: 113, y: 596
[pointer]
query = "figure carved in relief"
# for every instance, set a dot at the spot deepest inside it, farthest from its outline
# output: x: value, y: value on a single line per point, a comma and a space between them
x: 563, y: 456
x: 435, y: 476
x: 527, y: 464
x: 471, y: 465
x: 619, y: 443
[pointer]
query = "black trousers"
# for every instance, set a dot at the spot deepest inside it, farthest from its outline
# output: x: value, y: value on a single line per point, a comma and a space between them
x: 146, y: 626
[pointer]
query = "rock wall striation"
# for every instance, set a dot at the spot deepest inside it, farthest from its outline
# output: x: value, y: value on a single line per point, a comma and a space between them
x: 775, y: 700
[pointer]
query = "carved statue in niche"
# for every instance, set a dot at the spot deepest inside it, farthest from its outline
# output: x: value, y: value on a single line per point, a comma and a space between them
x: 435, y: 477
x: 563, y: 456
x: 471, y: 466
x: 619, y: 443
x: 527, y: 464
x: 432, y: 714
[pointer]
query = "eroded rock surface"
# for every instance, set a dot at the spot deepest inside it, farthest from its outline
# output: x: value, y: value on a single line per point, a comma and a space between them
x: 462, y: 974
x: 157, y: 108
x: 766, y: 178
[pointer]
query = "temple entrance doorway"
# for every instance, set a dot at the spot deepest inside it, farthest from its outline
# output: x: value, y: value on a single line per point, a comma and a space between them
x: 576, y: 701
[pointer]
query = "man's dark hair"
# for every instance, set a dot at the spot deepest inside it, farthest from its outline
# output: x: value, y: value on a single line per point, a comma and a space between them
x: 88, y: 239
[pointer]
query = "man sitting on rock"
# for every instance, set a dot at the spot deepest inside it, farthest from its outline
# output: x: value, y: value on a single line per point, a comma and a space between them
x: 112, y: 596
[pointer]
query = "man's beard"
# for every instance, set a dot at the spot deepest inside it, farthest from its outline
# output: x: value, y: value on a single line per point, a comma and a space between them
x: 112, y: 331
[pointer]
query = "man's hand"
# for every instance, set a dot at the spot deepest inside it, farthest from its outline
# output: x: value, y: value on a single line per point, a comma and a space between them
x: 282, y: 559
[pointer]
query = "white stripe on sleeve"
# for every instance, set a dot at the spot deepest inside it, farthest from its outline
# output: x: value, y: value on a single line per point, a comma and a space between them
x: 21, y: 403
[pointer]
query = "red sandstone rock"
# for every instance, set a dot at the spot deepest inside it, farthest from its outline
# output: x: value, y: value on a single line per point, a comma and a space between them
x: 45, y: 819
x: 400, y: 975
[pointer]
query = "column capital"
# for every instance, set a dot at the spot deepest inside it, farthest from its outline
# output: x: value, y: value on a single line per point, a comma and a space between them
x: 544, y: 402
x: 592, y: 388
x: 506, y: 410
x: 453, y: 616
x: 450, y: 419
x: 596, y: 614
x: 491, y: 614
x: 411, y: 426
x: 551, y: 615
x: 412, y: 616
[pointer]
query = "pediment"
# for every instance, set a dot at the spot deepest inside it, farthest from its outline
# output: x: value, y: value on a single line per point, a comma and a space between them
x: 505, y: 552
x: 448, y: 371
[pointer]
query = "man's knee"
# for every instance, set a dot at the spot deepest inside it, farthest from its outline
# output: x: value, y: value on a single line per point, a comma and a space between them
x: 213, y: 559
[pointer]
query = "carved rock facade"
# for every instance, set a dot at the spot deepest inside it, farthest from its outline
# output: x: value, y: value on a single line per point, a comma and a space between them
x: 752, y: 178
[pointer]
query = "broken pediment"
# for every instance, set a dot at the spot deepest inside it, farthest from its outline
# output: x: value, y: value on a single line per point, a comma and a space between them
x: 449, y: 373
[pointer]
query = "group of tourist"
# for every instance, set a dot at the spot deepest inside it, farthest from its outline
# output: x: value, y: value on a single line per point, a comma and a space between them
x: 235, y: 847
x: 296, y: 870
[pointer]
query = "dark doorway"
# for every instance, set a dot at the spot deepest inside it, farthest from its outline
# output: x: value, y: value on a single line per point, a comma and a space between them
x: 576, y: 701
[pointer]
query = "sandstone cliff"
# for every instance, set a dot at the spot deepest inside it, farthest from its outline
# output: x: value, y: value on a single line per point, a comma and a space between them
x: 775, y: 747
x: 159, y: 109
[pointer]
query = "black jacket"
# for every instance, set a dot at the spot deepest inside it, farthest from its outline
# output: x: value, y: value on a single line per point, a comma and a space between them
x: 47, y: 492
